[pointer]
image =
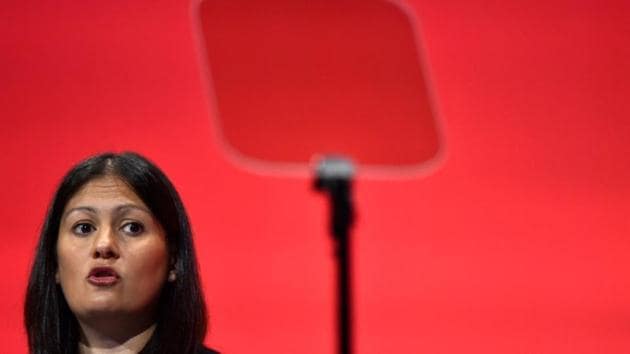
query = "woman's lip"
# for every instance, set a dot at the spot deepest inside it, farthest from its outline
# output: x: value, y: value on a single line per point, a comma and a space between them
x: 102, y: 281
x: 103, y: 276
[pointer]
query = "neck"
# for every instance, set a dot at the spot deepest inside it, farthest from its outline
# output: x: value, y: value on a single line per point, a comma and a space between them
x: 94, y: 340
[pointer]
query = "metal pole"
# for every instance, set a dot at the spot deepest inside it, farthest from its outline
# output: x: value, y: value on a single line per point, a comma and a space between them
x: 334, y: 177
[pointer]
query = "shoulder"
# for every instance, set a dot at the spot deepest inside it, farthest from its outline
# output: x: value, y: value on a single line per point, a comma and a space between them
x: 204, y: 350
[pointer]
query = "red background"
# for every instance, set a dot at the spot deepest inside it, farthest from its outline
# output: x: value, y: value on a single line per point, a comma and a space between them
x: 517, y: 243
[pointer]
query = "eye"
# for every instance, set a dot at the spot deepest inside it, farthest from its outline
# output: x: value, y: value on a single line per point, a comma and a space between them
x: 133, y: 228
x: 82, y: 229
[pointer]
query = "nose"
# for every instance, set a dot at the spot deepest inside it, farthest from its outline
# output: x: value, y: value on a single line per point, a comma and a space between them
x: 106, y: 245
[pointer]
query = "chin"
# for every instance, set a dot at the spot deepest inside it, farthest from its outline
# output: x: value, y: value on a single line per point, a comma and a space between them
x: 99, y: 310
x: 98, y: 306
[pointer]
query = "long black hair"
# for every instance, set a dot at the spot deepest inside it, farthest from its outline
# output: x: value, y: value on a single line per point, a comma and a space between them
x: 181, y: 315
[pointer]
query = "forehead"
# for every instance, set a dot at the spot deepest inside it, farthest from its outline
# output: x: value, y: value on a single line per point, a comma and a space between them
x: 104, y: 190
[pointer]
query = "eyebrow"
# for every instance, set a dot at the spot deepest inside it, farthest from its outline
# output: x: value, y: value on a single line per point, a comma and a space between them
x: 124, y: 207
x: 119, y: 209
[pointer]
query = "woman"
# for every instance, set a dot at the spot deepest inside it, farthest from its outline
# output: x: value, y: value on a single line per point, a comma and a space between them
x: 115, y: 269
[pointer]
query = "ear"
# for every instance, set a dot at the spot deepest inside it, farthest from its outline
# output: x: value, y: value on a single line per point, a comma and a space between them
x: 172, y: 273
x: 57, y: 277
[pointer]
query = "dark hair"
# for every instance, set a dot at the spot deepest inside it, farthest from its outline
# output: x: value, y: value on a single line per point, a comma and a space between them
x: 181, y: 314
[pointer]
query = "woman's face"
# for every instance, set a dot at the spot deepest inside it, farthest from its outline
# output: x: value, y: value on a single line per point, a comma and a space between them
x: 111, y: 252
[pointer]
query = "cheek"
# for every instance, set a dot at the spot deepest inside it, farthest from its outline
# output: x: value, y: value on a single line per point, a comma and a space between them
x: 69, y: 260
x: 70, y: 269
x: 149, y: 267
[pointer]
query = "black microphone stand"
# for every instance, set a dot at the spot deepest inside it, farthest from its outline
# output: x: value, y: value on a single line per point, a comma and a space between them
x: 334, y: 177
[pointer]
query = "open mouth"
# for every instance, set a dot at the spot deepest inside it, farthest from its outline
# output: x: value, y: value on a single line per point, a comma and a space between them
x: 103, y: 276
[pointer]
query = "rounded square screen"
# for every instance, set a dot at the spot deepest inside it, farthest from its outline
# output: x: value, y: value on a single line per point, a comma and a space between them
x: 294, y: 79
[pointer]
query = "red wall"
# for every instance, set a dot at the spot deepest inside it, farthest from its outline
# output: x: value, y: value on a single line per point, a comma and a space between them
x: 518, y: 243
